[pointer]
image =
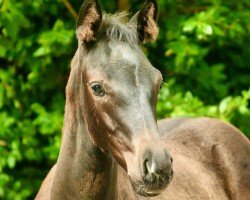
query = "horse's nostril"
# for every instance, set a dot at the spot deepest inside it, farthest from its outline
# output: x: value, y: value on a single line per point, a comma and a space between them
x: 157, y: 168
x: 145, y: 167
x: 150, y: 170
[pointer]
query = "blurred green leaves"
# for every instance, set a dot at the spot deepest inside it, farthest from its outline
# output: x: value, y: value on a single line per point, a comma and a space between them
x: 56, y: 38
x: 32, y: 83
x: 230, y: 109
x: 206, y: 62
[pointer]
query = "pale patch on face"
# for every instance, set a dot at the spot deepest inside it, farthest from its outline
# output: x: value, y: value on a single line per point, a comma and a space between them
x: 129, y: 55
x: 126, y: 53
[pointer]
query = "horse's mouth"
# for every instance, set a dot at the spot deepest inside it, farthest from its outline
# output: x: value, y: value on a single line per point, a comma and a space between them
x: 148, y: 190
x: 143, y: 190
x: 145, y: 194
x: 149, y: 194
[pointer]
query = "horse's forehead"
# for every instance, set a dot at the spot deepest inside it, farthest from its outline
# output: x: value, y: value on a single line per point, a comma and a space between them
x: 115, y: 52
x: 119, y: 60
x: 125, y: 53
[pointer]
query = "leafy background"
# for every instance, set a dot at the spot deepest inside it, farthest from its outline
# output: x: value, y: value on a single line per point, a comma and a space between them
x: 203, y: 52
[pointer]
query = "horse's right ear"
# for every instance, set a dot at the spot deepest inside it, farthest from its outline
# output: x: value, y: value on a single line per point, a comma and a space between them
x: 89, y: 21
x: 146, y: 21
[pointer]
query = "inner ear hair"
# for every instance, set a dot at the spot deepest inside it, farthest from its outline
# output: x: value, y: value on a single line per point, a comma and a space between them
x: 89, y: 21
x: 147, y: 22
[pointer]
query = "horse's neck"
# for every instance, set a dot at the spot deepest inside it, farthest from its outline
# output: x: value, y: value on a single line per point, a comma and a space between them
x: 83, y: 171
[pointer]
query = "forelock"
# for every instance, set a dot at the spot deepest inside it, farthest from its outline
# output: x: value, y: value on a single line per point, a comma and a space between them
x: 118, y: 27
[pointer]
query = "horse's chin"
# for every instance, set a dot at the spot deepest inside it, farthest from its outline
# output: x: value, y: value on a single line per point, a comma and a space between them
x: 145, y: 190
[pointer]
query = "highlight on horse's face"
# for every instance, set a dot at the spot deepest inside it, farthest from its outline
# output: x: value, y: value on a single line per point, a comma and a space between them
x: 120, y: 93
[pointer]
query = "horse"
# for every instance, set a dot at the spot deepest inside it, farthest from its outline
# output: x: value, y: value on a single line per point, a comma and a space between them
x: 112, y: 145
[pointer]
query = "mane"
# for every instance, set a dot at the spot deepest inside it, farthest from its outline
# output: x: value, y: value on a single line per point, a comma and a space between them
x: 118, y: 27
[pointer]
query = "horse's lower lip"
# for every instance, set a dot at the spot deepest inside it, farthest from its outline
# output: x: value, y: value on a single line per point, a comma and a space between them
x: 145, y: 190
x: 152, y: 194
x: 148, y: 192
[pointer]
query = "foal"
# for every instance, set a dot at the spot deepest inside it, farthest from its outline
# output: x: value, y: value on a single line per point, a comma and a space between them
x: 112, y: 147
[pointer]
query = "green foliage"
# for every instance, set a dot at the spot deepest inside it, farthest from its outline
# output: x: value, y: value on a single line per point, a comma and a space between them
x: 233, y: 109
x: 35, y: 50
x: 205, y: 59
x: 203, y: 51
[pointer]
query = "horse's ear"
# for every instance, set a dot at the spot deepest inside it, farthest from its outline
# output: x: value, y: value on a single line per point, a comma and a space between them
x: 146, y: 20
x: 89, y: 21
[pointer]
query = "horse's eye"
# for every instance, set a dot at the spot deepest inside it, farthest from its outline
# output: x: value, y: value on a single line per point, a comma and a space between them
x: 98, y: 90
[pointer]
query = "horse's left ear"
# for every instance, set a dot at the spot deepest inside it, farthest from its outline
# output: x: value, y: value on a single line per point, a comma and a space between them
x: 89, y: 21
x: 146, y: 20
